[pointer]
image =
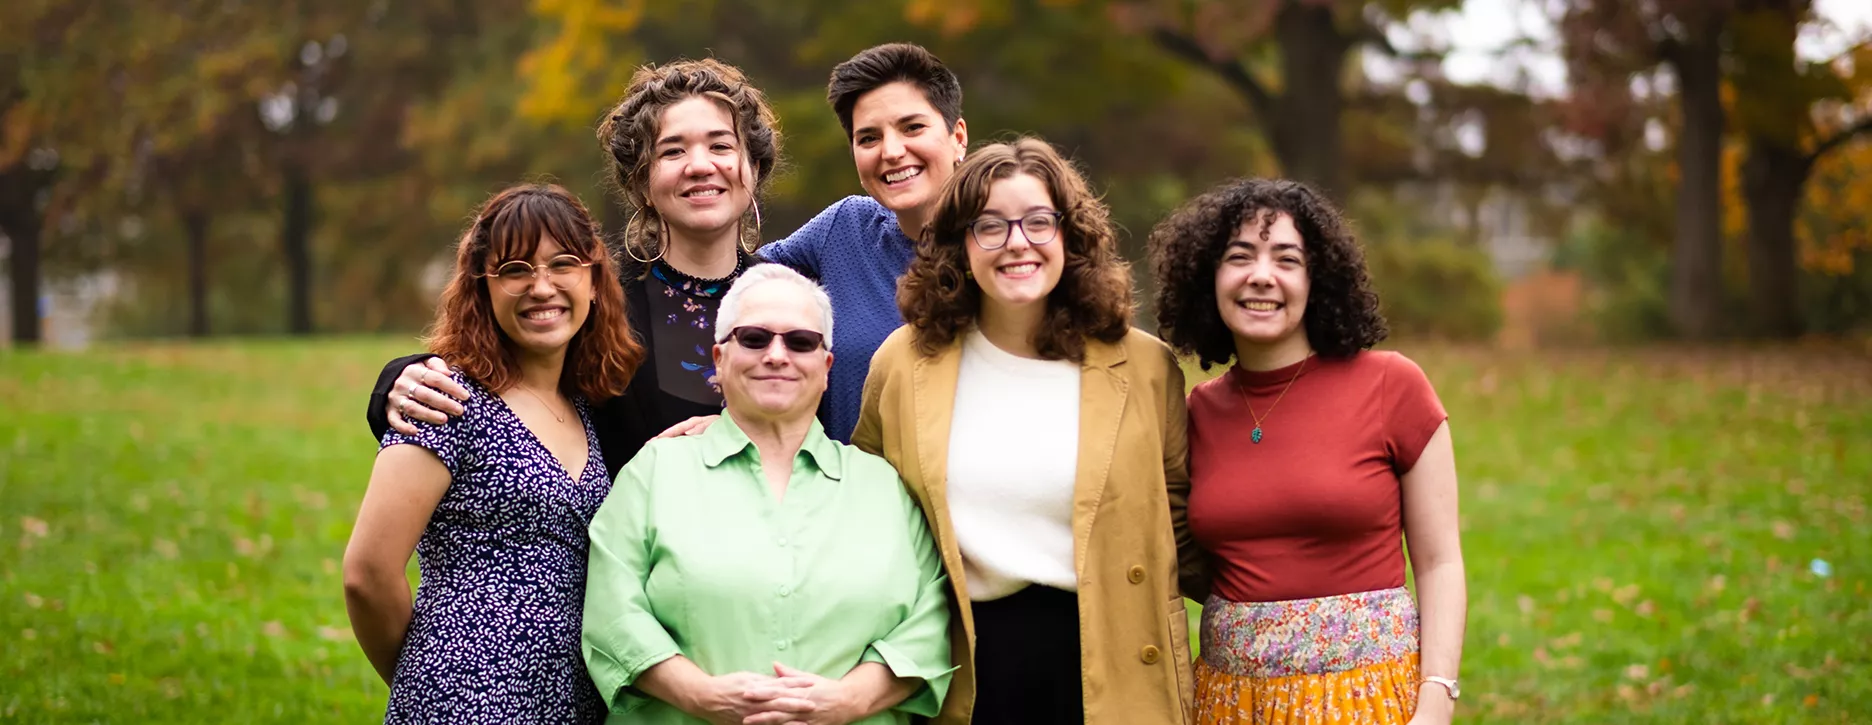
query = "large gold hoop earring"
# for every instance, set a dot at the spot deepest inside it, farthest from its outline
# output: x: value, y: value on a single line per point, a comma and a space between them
x: 627, y: 242
x: 746, y: 244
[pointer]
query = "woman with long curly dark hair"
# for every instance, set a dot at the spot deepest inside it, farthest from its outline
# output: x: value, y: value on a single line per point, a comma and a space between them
x: 496, y: 501
x: 1043, y: 437
x: 1312, y: 461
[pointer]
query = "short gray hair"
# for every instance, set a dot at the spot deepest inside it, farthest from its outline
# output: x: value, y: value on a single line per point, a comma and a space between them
x: 758, y: 275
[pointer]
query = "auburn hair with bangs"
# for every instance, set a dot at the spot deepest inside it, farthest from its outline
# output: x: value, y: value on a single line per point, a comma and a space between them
x: 940, y: 300
x: 602, y: 355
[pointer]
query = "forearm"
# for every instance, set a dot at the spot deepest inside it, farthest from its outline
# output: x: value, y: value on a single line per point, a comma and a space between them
x: 380, y: 609
x: 875, y: 688
x: 1443, y: 604
x: 676, y: 681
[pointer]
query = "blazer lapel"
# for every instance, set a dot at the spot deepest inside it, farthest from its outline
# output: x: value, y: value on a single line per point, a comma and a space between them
x: 1102, y: 392
x: 935, y: 381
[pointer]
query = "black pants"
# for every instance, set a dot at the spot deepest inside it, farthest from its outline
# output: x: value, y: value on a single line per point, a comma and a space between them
x: 1027, y: 659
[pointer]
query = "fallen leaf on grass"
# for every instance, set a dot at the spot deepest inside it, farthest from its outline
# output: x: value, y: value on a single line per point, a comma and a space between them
x: 29, y: 634
x: 1783, y: 530
x: 1526, y: 603
x: 165, y: 548
x: 273, y: 629
x: 34, y: 601
x: 1637, y: 672
x: 36, y: 527
x: 1645, y: 608
x: 103, y: 647
x: 116, y: 678
x: 334, y: 634
x: 1602, y: 615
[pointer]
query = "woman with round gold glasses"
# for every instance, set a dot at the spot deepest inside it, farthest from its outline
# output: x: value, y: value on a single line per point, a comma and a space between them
x: 496, y: 502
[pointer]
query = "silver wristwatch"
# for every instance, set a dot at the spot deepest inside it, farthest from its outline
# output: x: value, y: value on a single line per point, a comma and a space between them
x: 1455, y: 692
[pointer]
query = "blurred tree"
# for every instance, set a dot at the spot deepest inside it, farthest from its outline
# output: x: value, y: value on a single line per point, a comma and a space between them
x: 1610, y: 47
x: 1287, y: 60
x: 1791, y: 113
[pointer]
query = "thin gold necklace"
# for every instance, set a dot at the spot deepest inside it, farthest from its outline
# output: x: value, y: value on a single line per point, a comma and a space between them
x: 561, y: 418
x: 1255, y: 436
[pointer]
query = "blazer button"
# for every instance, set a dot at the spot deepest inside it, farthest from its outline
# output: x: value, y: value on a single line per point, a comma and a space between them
x: 1137, y: 575
x: 1150, y: 654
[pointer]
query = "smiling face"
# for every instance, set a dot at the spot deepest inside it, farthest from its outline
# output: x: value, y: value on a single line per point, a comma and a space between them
x: 900, y: 146
x: 542, y: 320
x: 1262, y: 283
x: 699, y: 181
x: 773, y: 384
x: 1020, y: 274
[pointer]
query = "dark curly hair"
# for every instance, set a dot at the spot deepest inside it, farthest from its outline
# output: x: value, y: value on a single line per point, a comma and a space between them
x: 628, y: 135
x: 1093, y: 297
x: 1342, y: 315
x: 882, y: 65
x: 602, y: 356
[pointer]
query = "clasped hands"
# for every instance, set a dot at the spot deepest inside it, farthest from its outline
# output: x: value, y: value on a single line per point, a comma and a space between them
x: 787, y: 697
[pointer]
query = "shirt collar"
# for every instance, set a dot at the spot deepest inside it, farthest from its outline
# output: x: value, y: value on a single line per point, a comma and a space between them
x: 725, y: 440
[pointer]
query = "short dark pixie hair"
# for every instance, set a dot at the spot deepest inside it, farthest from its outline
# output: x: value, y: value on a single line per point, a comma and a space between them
x: 882, y: 65
x: 1186, y: 248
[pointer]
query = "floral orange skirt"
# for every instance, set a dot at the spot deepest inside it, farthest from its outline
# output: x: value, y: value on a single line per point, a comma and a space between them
x: 1345, y: 659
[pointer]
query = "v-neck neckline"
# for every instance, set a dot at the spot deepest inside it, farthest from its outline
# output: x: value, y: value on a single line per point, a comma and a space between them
x: 591, y: 445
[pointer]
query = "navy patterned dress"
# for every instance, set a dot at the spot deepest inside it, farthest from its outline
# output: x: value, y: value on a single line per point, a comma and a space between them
x: 495, y: 635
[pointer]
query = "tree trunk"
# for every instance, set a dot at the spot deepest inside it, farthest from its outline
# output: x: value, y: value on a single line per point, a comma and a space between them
x: 22, y: 220
x: 1306, y: 126
x: 195, y: 227
x: 295, y: 243
x: 1773, y: 178
x: 1696, y: 257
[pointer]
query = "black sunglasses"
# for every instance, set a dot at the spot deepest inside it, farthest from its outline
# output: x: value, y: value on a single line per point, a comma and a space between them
x: 758, y: 338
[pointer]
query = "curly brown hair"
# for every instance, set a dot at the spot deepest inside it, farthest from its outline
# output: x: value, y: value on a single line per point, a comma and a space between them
x: 1093, y: 297
x: 603, y: 354
x: 628, y: 135
x: 1342, y: 315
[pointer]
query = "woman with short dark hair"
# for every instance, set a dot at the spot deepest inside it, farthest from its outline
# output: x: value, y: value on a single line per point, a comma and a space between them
x: 1313, y: 461
x: 1043, y: 437
x: 496, y: 502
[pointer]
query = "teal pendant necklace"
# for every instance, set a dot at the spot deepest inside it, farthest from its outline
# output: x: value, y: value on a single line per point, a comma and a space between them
x: 1255, y: 435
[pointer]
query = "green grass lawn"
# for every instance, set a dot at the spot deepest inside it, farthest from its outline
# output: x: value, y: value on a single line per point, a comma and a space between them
x: 1640, y: 529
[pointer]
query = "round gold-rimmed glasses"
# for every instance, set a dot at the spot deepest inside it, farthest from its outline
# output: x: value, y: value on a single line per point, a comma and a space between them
x: 564, y: 272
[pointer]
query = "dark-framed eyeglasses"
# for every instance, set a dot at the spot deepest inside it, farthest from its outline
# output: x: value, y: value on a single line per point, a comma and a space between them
x: 756, y: 338
x: 564, y: 272
x: 992, y: 233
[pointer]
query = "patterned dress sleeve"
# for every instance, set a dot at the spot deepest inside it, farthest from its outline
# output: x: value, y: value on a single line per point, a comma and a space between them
x: 1413, y: 412
x: 449, y: 441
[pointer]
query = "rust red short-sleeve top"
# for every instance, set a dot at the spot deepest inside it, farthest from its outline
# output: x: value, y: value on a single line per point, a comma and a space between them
x: 1316, y: 508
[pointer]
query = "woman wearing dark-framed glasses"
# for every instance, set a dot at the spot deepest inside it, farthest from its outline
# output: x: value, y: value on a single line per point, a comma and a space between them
x: 1043, y: 437
x: 495, y: 502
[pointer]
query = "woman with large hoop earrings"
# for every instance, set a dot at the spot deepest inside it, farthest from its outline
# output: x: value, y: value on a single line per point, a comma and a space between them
x: 689, y: 149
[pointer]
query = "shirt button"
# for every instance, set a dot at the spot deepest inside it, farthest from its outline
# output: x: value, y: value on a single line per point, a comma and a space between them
x: 786, y: 591
x: 1137, y: 575
x: 782, y: 541
x: 783, y: 644
x: 1150, y: 654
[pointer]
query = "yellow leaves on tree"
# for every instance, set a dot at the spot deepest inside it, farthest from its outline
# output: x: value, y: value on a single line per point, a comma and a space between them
x: 1832, y: 225
x: 580, y: 67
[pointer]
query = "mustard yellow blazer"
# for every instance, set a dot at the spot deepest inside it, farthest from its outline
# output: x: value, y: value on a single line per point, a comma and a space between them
x: 1128, y: 516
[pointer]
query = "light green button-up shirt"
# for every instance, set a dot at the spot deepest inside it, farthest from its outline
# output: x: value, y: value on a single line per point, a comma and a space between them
x: 691, y: 554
